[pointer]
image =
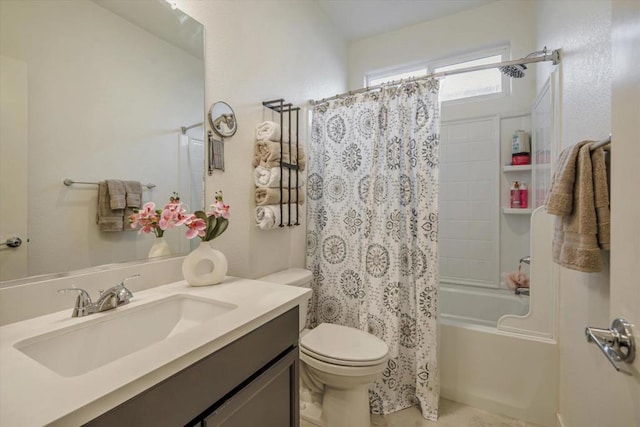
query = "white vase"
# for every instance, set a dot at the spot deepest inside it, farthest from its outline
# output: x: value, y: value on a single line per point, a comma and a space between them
x: 204, y: 266
x: 160, y: 247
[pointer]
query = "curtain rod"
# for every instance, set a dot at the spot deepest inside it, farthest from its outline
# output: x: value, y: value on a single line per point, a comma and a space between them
x: 553, y: 56
x: 184, y: 129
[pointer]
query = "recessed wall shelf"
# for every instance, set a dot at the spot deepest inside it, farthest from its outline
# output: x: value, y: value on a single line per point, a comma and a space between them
x: 516, y: 211
x: 516, y: 168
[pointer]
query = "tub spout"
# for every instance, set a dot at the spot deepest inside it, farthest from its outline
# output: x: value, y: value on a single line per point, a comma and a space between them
x: 526, y: 259
x: 522, y: 291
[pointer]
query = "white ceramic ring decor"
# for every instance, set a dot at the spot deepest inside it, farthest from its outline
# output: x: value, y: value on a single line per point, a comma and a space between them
x: 204, y: 266
x: 160, y: 247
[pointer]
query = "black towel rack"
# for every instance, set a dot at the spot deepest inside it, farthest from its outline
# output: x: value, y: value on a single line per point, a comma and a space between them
x: 282, y: 108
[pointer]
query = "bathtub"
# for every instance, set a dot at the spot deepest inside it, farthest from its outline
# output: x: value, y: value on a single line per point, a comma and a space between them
x: 460, y: 304
x: 499, y: 371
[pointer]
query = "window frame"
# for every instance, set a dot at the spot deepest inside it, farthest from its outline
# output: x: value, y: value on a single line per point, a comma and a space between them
x: 431, y: 65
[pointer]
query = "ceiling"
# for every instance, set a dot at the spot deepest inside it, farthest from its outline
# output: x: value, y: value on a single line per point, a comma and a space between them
x: 357, y: 19
x: 160, y: 19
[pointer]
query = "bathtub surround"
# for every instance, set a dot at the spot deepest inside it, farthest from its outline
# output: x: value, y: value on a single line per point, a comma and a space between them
x: 372, y: 233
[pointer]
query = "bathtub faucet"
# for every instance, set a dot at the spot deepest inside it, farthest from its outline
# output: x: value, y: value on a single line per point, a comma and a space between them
x: 522, y: 291
x: 526, y: 259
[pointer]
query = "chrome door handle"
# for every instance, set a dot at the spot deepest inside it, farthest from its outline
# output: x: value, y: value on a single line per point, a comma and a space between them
x: 617, y: 344
x: 12, y: 242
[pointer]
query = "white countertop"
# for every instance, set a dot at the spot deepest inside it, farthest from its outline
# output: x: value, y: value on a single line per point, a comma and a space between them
x: 33, y: 395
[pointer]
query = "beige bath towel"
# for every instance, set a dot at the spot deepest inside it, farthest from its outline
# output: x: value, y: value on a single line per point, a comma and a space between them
x: 270, y: 177
x: 271, y: 196
x: 560, y: 198
x: 108, y: 219
x: 601, y: 196
x: 575, y: 244
x: 270, y: 131
x: 117, y: 194
x: 267, y: 154
x: 268, y: 217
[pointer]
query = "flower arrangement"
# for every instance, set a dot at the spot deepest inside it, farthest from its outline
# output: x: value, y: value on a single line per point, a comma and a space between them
x: 211, y: 224
x: 206, y: 225
x: 149, y: 219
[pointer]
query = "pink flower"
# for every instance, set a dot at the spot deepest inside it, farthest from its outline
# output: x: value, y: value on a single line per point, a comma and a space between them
x: 145, y: 218
x: 172, y: 215
x: 195, y: 226
x: 219, y: 208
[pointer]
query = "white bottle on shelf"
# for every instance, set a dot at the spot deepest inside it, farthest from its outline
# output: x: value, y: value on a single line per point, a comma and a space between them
x: 515, y: 195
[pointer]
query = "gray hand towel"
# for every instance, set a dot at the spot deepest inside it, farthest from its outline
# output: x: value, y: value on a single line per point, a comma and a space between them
x: 134, y: 193
x: 133, y: 199
x: 117, y: 194
x: 108, y: 219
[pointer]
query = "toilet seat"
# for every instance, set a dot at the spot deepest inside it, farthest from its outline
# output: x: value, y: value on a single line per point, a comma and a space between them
x: 343, y: 346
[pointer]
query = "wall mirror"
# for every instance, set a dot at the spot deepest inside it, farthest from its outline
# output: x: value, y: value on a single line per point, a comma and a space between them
x: 222, y: 119
x: 94, y: 89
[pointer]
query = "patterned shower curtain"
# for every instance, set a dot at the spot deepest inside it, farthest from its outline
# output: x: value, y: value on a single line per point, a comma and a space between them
x: 372, y: 231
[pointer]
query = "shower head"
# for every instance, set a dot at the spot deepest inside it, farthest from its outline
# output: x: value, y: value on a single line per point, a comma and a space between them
x: 517, y: 71
x: 513, y: 71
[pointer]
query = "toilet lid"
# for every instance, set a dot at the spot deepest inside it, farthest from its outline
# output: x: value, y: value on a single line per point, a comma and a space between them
x: 343, y: 345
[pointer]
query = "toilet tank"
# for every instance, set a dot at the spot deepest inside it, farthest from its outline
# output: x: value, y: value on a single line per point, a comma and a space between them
x: 293, y: 277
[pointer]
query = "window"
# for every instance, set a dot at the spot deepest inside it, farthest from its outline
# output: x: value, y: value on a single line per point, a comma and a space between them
x: 475, y: 83
x: 380, y: 78
x: 458, y: 86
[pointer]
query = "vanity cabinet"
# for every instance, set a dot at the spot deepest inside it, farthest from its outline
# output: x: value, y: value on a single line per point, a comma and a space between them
x: 251, y: 382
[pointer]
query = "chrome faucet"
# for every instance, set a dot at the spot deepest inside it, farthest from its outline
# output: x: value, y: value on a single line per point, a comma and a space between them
x: 111, y: 298
x: 526, y: 259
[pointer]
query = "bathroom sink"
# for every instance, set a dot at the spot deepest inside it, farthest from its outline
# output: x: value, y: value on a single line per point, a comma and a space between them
x: 78, y: 349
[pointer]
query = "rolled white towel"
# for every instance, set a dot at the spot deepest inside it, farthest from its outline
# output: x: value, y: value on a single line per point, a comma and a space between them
x: 270, y: 177
x: 270, y: 131
x: 268, y: 216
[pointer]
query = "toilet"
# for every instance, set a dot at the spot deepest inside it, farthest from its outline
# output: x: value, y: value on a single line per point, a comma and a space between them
x: 338, y: 365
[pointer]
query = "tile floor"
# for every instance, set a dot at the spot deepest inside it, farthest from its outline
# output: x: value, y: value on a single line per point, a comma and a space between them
x: 451, y: 414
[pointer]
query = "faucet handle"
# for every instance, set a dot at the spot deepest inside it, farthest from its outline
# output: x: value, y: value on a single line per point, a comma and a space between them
x: 83, y: 302
x: 135, y: 276
x: 124, y: 295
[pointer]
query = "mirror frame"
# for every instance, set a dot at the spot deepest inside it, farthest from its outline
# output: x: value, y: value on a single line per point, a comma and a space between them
x: 222, y: 113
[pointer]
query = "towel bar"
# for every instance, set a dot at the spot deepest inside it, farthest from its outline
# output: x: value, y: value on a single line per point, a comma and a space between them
x: 600, y: 143
x: 69, y: 182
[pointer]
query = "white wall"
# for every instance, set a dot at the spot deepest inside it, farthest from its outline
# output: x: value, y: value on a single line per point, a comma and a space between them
x: 105, y: 97
x: 258, y: 51
x: 582, y: 30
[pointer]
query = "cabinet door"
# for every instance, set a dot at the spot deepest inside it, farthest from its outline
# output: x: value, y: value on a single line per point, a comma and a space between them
x: 270, y: 400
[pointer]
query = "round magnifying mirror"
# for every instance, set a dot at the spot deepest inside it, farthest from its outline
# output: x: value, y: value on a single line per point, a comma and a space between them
x: 222, y: 119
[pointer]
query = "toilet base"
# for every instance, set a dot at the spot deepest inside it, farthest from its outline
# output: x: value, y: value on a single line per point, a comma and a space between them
x: 345, y: 407
x: 311, y: 413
